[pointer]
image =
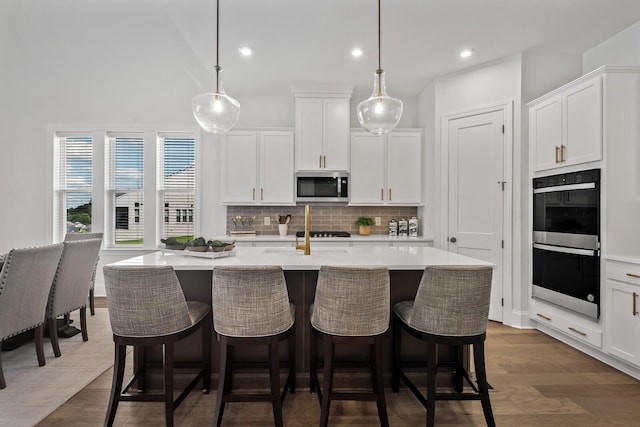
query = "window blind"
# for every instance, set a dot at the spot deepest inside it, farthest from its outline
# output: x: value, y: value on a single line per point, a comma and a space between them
x: 73, y: 163
x: 126, y: 182
x: 177, y: 181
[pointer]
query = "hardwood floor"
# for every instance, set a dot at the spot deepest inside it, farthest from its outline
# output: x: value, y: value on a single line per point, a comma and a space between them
x: 537, y: 381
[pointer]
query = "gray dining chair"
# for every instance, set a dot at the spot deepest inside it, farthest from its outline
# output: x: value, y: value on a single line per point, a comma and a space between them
x: 251, y: 307
x: 147, y: 307
x: 351, y: 307
x: 451, y: 308
x: 25, y: 281
x: 84, y: 236
x: 70, y: 286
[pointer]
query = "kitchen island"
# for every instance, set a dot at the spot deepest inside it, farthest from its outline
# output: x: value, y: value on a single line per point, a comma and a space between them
x: 406, y: 265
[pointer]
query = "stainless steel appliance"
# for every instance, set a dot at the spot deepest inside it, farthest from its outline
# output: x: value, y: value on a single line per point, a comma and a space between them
x: 324, y: 234
x: 566, y: 241
x: 322, y: 187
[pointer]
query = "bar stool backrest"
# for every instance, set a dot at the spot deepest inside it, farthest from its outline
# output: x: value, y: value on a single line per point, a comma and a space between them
x: 453, y: 300
x: 145, y: 301
x: 352, y: 301
x: 250, y: 301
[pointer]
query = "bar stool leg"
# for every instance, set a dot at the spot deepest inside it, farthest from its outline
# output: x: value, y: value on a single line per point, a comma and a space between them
x: 291, y: 340
x: 120, y: 354
x: 432, y: 367
x: 397, y: 354
x: 222, y: 380
x: 206, y: 355
x: 378, y: 382
x: 53, y: 333
x: 481, y: 374
x: 39, y: 336
x: 329, y: 356
x: 274, y: 374
x: 168, y: 384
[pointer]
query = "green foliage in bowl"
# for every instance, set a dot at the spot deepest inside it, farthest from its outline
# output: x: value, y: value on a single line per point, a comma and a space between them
x: 364, y: 220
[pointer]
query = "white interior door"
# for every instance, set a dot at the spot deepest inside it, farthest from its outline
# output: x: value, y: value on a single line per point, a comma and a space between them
x: 476, y: 194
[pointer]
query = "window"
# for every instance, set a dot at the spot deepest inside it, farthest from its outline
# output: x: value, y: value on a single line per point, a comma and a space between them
x: 135, y: 186
x: 176, y: 179
x: 73, y: 183
x: 126, y: 185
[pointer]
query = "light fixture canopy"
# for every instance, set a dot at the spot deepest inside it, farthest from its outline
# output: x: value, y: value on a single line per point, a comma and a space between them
x: 379, y: 113
x: 216, y: 112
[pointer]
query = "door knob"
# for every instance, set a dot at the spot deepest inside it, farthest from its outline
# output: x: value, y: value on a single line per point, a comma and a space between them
x: 453, y: 240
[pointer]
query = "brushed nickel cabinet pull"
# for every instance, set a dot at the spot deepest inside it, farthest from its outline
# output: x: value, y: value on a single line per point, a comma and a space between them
x: 562, y: 148
x: 325, y: 161
x: 557, y: 151
x: 254, y: 193
x: 637, y: 276
x: 544, y: 317
x: 382, y: 194
x: 635, y: 307
x: 572, y: 329
x: 262, y: 194
x: 389, y: 194
x: 320, y: 161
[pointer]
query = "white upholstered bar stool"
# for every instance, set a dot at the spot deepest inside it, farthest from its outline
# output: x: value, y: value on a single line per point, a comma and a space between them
x: 84, y: 236
x: 147, y: 308
x: 451, y: 308
x: 351, y: 307
x: 251, y: 307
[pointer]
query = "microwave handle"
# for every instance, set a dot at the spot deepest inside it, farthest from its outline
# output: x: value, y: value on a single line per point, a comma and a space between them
x: 564, y: 250
x: 583, y: 186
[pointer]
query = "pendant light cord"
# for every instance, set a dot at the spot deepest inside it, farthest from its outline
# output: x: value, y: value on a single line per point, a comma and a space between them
x: 379, y: 38
x: 217, y: 68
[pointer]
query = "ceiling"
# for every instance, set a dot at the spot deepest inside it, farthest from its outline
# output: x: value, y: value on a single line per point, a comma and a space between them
x: 309, y: 41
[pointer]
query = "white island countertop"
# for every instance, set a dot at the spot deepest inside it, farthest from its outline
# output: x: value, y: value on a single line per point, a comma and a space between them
x: 395, y: 258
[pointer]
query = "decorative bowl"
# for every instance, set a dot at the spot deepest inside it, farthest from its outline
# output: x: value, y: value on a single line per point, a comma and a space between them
x: 197, y: 248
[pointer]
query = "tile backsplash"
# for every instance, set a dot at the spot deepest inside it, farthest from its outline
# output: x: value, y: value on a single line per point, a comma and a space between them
x: 325, y: 217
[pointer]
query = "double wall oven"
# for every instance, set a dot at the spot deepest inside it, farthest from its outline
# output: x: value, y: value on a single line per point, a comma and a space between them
x: 566, y: 241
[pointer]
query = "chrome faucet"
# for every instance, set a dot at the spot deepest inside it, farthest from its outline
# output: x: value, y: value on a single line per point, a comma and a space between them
x: 307, y: 244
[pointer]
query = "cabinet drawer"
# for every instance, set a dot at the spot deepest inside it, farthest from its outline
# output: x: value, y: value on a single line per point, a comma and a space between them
x: 623, y: 272
x: 575, y: 329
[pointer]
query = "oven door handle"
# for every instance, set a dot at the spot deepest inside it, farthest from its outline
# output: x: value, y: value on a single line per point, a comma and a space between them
x: 564, y: 250
x: 583, y: 186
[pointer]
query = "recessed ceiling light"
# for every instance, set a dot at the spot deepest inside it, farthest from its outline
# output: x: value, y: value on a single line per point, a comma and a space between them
x: 356, y: 52
x: 245, y: 51
x: 465, y: 53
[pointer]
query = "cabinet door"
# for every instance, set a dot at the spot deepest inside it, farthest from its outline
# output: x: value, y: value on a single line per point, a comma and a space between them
x: 276, y: 171
x: 367, y: 180
x: 583, y: 122
x: 336, y: 134
x: 309, y: 128
x: 404, y: 161
x: 622, y: 325
x: 545, y: 133
x: 240, y: 166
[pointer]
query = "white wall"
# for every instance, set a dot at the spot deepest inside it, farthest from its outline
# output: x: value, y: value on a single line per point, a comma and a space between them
x: 621, y: 49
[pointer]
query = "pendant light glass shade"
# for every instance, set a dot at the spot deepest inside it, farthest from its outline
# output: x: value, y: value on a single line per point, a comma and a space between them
x: 379, y: 113
x: 216, y: 112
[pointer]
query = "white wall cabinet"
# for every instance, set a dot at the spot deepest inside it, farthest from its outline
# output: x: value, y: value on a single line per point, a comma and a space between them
x: 322, y: 132
x: 622, y: 338
x: 565, y: 126
x: 386, y: 169
x: 258, y: 168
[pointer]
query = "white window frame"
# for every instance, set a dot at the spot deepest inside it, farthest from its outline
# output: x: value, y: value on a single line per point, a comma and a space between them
x: 100, y: 215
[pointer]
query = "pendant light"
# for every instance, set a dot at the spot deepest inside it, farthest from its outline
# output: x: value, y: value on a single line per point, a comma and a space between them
x: 216, y: 112
x: 379, y: 113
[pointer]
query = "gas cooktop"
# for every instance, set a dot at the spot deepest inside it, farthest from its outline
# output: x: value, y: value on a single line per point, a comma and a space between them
x: 324, y: 234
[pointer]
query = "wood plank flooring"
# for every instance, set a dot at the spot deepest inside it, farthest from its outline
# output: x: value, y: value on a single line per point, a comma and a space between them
x: 537, y: 381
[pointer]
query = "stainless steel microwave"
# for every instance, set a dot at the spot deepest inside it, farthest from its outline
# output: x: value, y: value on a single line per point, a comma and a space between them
x: 312, y: 187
